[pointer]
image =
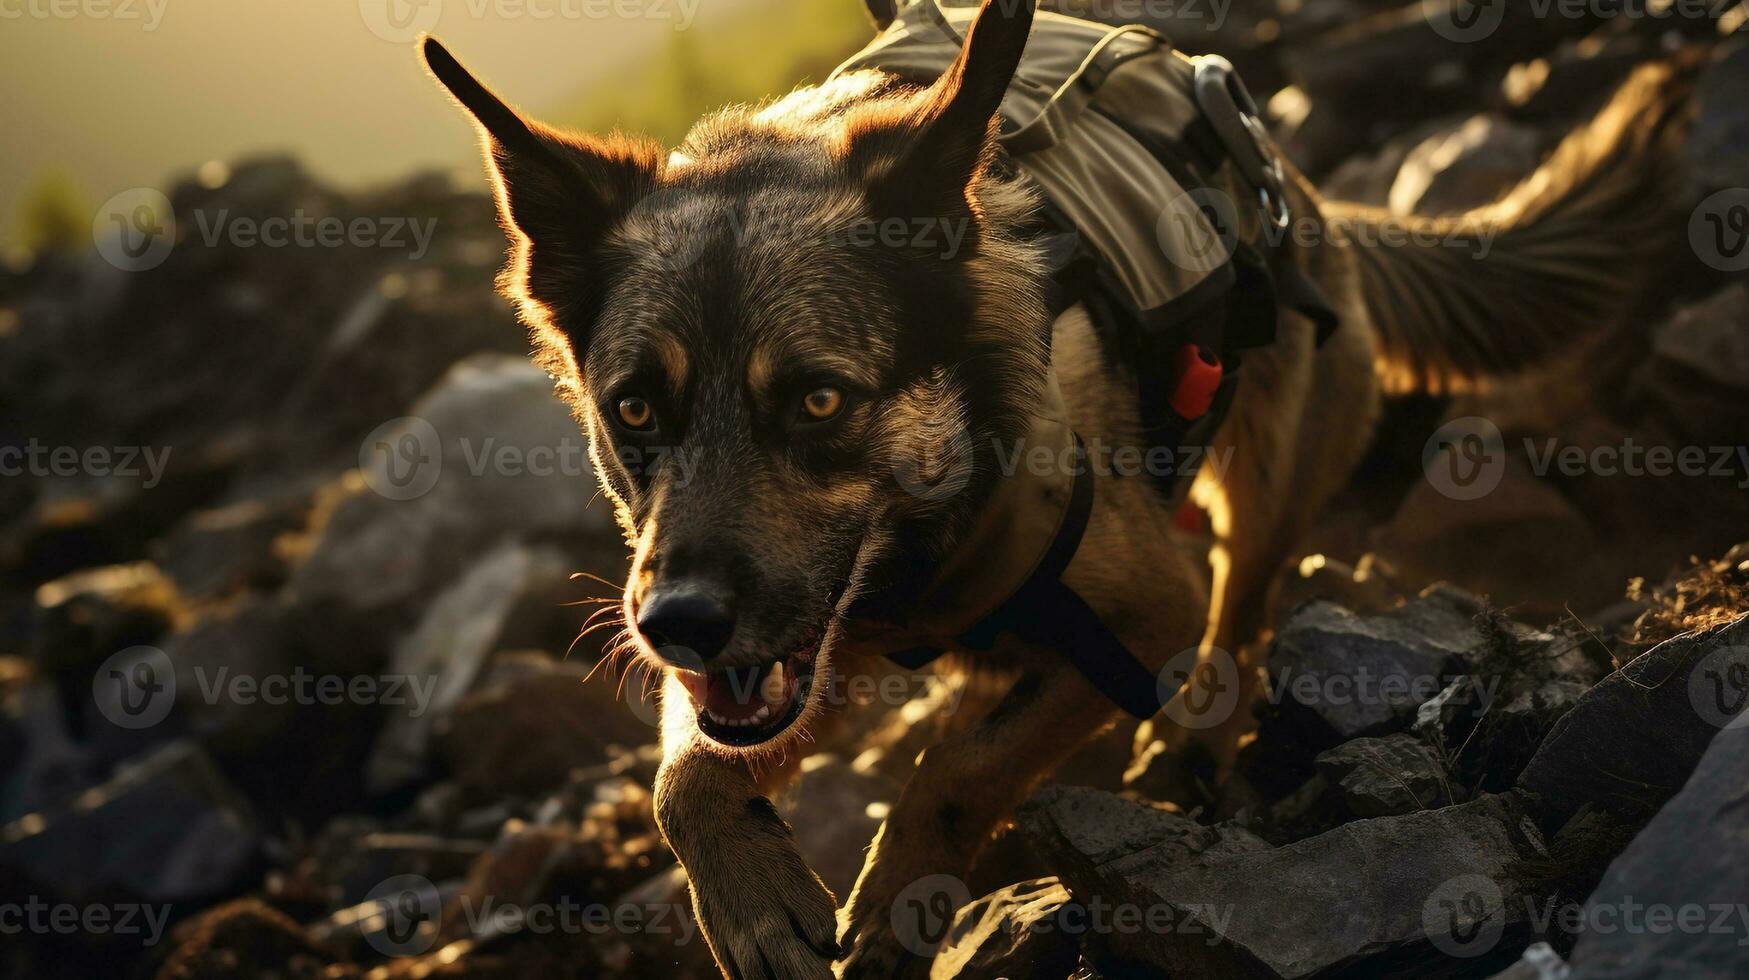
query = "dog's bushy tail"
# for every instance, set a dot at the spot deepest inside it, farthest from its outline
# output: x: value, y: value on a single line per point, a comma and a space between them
x: 1454, y: 299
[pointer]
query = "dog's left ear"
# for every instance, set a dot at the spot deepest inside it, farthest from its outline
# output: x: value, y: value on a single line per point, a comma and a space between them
x: 561, y: 191
x: 935, y: 149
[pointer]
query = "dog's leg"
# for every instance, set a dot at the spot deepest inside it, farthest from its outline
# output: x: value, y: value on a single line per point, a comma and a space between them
x: 962, y: 788
x: 762, y: 909
x: 966, y: 785
x: 1297, y: 429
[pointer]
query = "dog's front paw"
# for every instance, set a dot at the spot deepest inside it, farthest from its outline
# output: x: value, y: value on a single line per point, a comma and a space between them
x: 879, y: 953
x: 898, y: 937
x: 773, y: 923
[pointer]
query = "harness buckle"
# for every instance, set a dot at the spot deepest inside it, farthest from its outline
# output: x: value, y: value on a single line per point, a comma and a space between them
x: 1233, y: 115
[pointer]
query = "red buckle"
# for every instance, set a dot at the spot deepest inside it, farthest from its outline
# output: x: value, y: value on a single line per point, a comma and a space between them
x: 1199, y: 377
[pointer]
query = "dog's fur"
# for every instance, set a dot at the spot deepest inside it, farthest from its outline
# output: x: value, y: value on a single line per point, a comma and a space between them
x: 719, y: 282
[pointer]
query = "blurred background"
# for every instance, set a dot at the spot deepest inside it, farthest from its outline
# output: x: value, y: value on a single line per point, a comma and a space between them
x: 295, y: 547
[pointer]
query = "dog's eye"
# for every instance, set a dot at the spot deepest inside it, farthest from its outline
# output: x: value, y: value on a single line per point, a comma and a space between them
x: 636, y: 414
x: 823, y: 403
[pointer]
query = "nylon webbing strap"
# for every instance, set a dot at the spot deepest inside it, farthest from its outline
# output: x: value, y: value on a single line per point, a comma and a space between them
x: 1045, y: 612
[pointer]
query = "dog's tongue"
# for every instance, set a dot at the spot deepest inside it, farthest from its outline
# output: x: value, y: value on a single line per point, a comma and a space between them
x: 738, y: 694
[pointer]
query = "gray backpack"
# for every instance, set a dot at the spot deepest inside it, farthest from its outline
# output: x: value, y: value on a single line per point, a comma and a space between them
x: 1156, y: 167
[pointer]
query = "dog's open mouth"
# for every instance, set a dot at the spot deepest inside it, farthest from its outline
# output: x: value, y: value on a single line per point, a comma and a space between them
x: 742, y: 706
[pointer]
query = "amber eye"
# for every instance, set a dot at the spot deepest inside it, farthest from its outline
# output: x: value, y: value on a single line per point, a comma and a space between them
x: 636, y: 414
x: 823, y: 403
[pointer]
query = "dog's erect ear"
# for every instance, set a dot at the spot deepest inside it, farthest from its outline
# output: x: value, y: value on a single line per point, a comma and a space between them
x: 562, y: 191
x: 940, y: 144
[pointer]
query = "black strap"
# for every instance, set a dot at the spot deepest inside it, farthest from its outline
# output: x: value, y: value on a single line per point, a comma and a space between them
x: 1045, y: 612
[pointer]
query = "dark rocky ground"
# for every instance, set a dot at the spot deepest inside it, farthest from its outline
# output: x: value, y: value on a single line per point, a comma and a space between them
x: 1523, y: 764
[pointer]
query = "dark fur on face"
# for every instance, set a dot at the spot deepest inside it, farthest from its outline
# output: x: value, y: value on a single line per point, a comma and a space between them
x: 857, y: 236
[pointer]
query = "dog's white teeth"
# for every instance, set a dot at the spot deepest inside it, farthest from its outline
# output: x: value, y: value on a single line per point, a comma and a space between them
x: 763, y: 713
x: 773, y: 688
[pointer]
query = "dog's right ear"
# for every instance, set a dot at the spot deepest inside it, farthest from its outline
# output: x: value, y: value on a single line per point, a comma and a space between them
x: 558, y: 193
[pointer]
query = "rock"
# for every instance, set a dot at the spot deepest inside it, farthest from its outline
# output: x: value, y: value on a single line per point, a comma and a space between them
x: 1088, y: 830
x: 489, y: 453
x: 1445, y: 719
x: 1466, y: 167
x: 492, y: 605
x: 1539, y: 962
x: 1013, y: 933
x: 1682, y: 869
x: 1631, y: 741
x: 1706, y: 341
x: 835, y: 809
x: 165, y: 828
x: 534, y: 722
x: 47, y: 766
x: 223, y: 550
x: 1341, y: 676
x: 245, y: 937
x: 1718, y: 142
x: 1386, y: 887
x: 515, y: 875
x: 85, y: 617
x: 1379, y: 777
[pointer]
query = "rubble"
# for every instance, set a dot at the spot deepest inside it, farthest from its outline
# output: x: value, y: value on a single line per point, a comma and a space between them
x: 366, y: 478
x: 1675, y: 873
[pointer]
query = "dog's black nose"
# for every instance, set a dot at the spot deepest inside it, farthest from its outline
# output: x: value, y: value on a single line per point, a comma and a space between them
x: 688, y: 622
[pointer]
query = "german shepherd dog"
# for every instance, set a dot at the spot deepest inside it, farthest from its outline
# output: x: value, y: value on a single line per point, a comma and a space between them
x: 714, y: 301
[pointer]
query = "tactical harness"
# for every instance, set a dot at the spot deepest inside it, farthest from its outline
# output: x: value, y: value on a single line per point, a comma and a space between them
x: 1140, y: 154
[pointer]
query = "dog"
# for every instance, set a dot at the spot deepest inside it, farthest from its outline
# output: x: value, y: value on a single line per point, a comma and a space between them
x: 713, y: 302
